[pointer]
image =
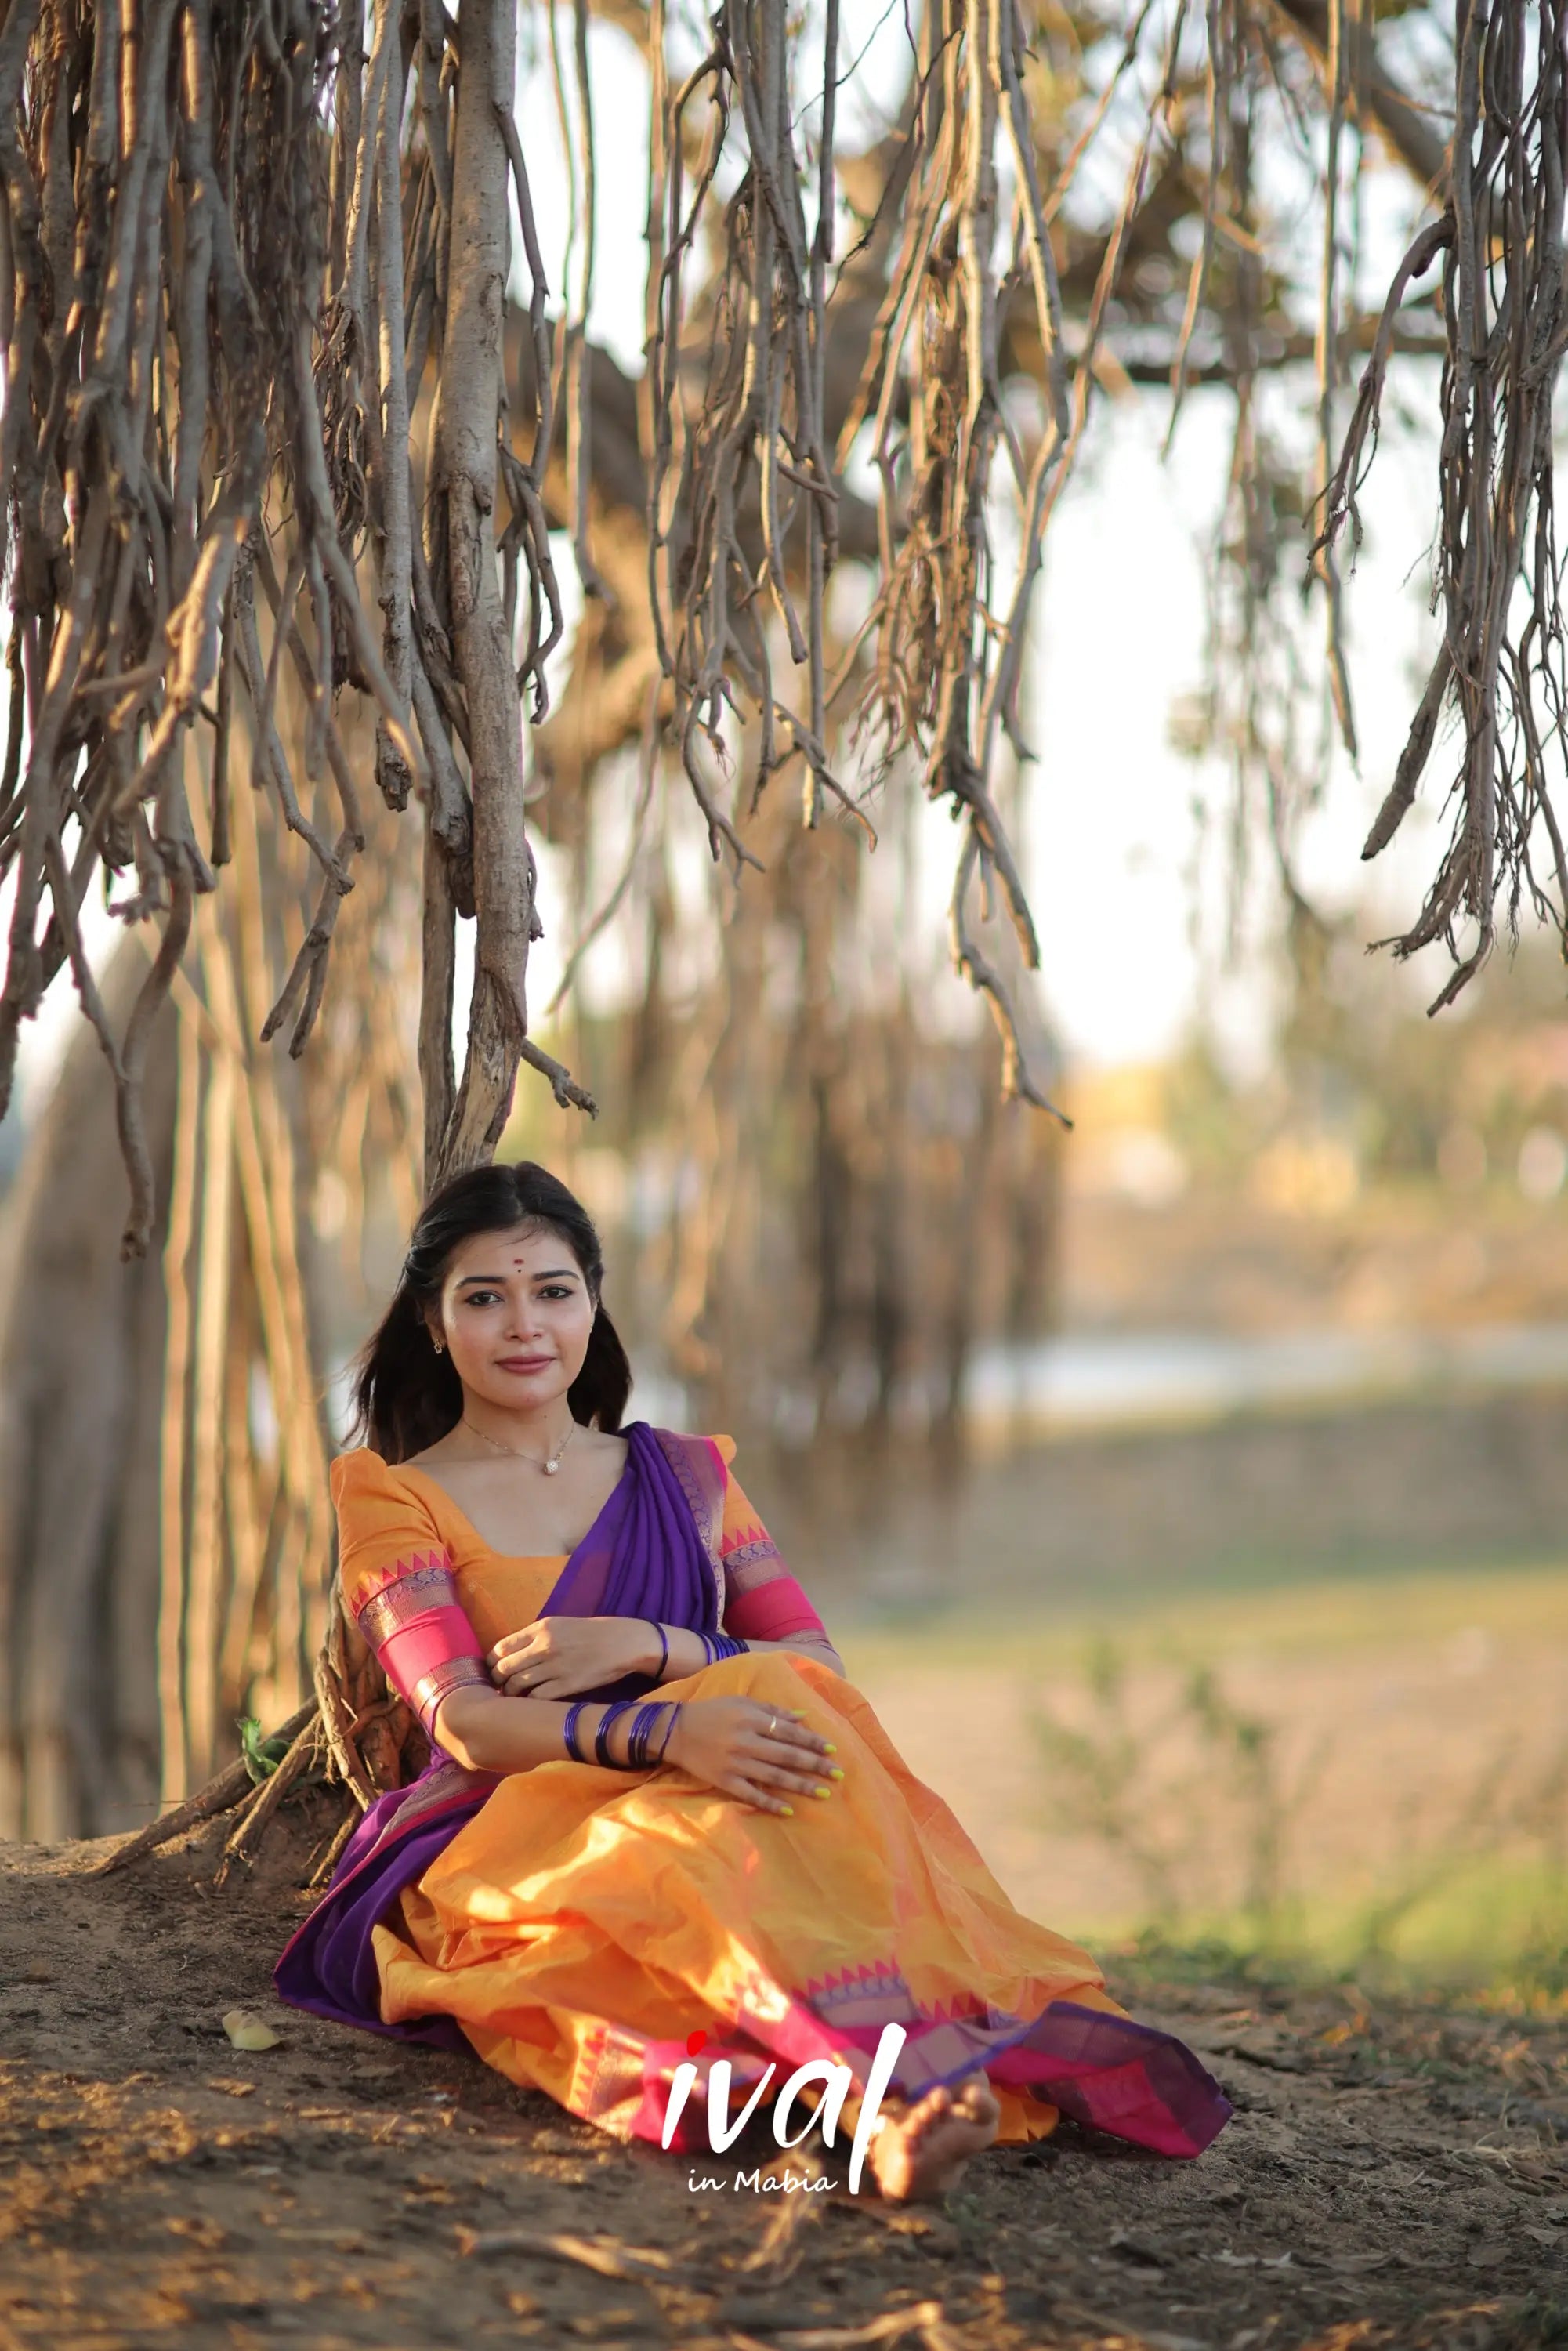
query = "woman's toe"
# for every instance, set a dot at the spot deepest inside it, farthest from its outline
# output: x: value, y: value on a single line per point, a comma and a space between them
x: 930, y: 2110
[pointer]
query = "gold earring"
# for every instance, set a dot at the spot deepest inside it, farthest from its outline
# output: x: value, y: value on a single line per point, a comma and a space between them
x: 439, y: 1344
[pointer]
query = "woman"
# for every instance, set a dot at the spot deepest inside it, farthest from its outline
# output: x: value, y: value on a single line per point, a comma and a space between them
x: 589, y: 1883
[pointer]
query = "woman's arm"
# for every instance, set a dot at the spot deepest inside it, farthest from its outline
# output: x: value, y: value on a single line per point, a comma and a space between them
x: 732, y: 1744
x: 485, y: 1731
x: 397, y: 1581
x: 763, y: 1605
x: 687, y: 1654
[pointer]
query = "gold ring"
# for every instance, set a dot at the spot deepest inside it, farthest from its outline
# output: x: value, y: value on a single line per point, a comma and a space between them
x: 772, y: 1725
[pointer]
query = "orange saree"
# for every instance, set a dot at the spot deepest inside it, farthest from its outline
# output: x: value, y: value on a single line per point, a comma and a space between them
x: 576, y: 1924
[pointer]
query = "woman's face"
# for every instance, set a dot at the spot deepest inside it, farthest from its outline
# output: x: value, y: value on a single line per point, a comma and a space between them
x: 515, y: 1315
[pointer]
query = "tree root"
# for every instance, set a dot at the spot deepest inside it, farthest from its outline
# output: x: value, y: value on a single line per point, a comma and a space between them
x: 228, y: 1788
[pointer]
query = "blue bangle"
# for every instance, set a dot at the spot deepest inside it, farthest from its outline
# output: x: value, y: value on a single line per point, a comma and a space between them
x: 670, y: 1730
x: 569, y: 1730
x: 641, y: 1732
x: 601, y: 1738
x: 664, y: 1652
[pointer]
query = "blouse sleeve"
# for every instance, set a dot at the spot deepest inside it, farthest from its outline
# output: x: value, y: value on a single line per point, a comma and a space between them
x: 398, y: 1586
x: 762, y: 1601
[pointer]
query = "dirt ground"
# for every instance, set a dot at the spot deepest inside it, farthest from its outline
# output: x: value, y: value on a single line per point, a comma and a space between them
x: 1393, y: 2176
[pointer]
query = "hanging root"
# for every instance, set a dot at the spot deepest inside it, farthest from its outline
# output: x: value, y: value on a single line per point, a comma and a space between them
x: 744, y: 502
x: 1502, y: 664
x: 227, y: 269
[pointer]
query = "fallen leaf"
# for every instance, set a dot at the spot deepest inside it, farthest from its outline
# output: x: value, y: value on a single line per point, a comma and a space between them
x: 1487, y: 2257
x: 1355, y: 2264
x: 248, y: 2031
x: 230, y: 2087
x: 1553, y: 2237
x: 1235, y: 2261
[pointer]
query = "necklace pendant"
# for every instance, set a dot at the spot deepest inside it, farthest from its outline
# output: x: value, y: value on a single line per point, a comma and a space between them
x: 550, y: 1468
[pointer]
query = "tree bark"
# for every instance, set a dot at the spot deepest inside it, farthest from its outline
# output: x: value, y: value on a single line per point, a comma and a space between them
x: 81, y: 1346
x: 464, y: 436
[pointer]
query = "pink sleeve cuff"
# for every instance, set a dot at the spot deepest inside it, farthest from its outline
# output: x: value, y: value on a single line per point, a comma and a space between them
x: 421, y: 1637
x: 774, y: 1611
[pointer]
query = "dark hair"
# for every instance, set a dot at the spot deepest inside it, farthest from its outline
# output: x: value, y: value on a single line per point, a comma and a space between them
x: 406, y: 1394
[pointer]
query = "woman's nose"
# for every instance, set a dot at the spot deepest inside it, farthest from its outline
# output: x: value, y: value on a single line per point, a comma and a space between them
x: 524, y: 1319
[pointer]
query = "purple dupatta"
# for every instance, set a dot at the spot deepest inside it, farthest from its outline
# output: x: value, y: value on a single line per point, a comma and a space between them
x: 653, y: 1551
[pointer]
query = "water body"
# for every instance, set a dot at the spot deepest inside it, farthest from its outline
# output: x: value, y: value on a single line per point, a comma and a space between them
x: 1083, y: 1380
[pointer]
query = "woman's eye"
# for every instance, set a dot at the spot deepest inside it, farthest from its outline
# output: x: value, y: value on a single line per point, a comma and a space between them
x: 483, y: 1297
x: 556, y: 1289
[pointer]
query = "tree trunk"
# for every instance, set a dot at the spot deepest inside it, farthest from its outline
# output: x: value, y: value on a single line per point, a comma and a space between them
x: 81, y: 1359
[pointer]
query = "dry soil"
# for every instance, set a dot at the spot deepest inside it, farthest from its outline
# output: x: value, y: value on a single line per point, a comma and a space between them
x: 1394, y: 2176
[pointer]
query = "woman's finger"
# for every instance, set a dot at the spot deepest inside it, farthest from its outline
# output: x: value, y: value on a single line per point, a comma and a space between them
x: 517, y: 1673
x: 769, y: 1720
x: 511, y: 1651
x: 774, y: 1775
x: 810, y: 1745
x: 751, y: 1794
x: 778, y: 1751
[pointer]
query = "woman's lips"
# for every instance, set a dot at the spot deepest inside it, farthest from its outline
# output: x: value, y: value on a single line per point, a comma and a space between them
x: 525, y: 1363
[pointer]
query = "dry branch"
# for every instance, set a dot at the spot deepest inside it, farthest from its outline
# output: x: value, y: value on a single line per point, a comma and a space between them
x: 221, y: 1794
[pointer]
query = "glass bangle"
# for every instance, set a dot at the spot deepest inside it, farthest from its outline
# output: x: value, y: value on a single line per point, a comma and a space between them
x: 601, y: 1738
x: 569, y: 1730
x: 641, y: 1732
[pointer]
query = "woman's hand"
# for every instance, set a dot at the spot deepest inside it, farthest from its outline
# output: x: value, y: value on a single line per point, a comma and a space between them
x: 557, y: 1656
x: 760, y: 1753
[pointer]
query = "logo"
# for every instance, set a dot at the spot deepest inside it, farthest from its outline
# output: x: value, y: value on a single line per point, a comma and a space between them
x: 837, y: 2081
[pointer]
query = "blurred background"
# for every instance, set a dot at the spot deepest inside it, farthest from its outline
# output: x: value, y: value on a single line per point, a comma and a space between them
x: 1187, y: 1491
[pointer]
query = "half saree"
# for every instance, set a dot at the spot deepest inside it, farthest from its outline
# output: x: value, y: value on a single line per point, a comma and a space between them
x: 574, y: 1924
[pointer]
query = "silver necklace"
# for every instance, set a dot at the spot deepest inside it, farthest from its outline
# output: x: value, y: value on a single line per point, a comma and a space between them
x: 549, y: 1465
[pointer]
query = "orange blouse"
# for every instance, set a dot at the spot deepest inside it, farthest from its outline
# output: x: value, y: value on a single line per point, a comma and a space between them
x: 432, y: 1597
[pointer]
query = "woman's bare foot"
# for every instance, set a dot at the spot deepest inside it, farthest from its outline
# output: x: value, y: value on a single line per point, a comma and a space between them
x: 918, y: 2154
